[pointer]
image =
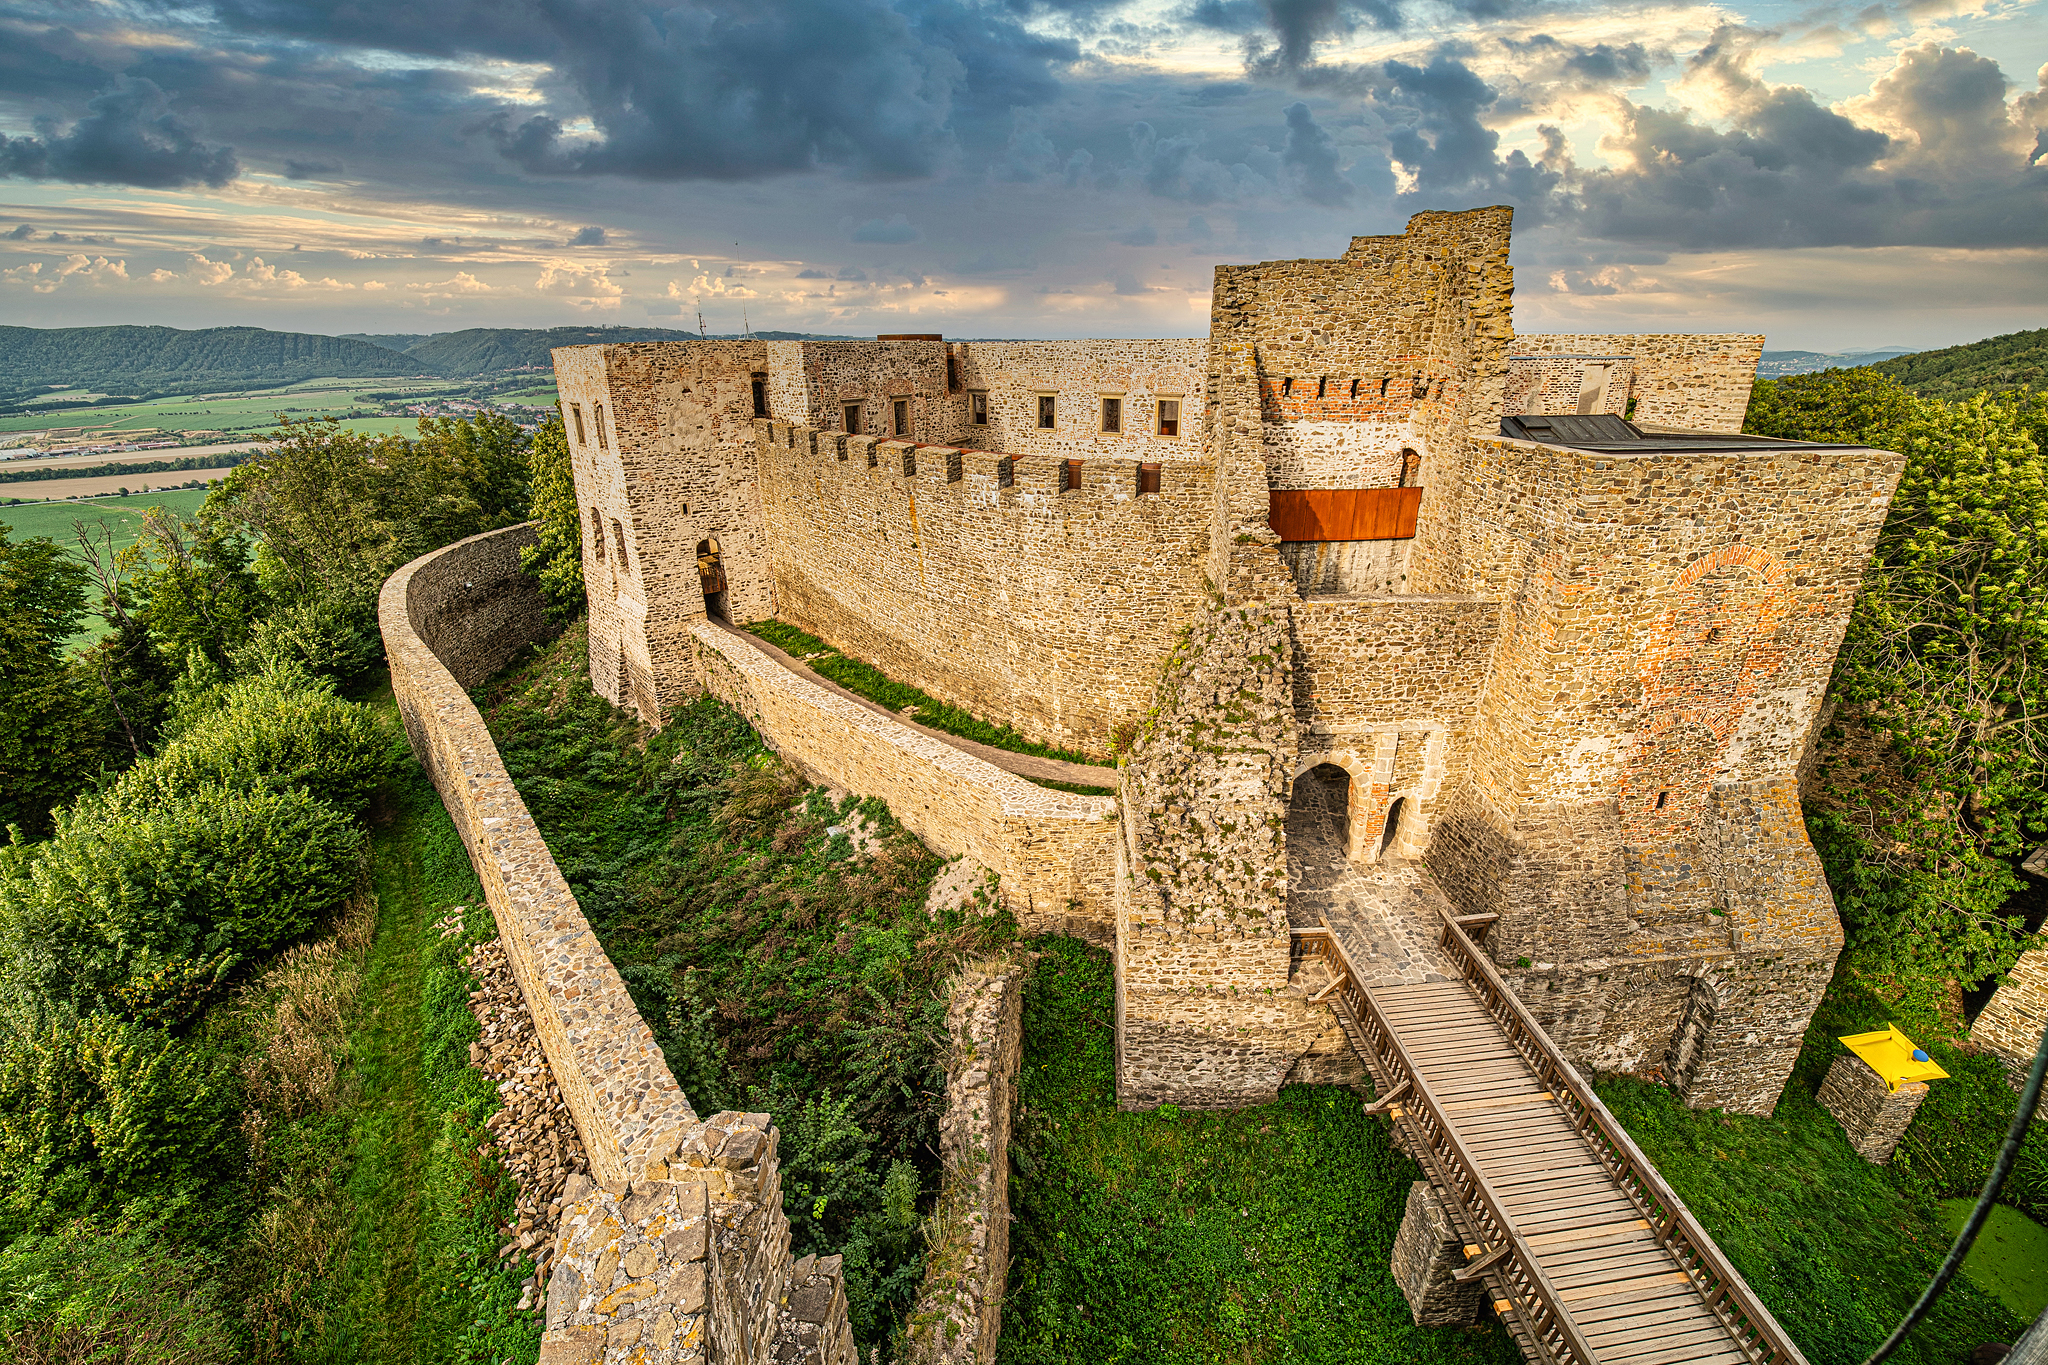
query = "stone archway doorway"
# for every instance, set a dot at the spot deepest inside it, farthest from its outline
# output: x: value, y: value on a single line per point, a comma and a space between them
x: 711, y: 575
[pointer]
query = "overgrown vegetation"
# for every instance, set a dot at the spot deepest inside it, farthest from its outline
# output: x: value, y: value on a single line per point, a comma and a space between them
x: 775, y: 937
x: 877, y: 686
x: 236, y: 1116
x: 1934, y: 766
x: 1258, y: 1234
x: 1996, y: 364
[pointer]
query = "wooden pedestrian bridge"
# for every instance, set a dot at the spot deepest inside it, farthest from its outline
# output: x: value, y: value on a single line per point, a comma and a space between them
x: 1589, y: 1257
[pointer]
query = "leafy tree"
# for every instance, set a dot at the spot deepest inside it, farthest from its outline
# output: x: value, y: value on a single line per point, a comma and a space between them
x: 556, y: 559
x: 51, y: 726
x: 1936, y: 770
x: 1851, y: 407
x: 192, y: 579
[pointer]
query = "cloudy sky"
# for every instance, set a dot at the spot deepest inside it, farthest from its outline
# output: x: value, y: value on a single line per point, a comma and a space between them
x: 1837, y: 175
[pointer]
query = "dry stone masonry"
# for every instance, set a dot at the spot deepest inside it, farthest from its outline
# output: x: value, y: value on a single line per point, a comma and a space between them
x: 1566, y: 681
x: 673, y: 1250
x: 958, y: 1316
x: 1874, y: 1115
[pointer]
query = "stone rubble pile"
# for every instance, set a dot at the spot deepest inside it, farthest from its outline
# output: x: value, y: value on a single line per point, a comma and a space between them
x: 533, y: 1133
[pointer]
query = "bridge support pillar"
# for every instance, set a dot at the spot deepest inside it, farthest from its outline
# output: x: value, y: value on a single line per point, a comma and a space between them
x: 1427, y: 1250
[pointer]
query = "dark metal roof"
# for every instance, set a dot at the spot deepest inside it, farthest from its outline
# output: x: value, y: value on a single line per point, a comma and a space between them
x: 1608, y: 433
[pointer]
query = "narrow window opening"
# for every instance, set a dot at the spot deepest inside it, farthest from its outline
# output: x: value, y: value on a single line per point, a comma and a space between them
x: 1411, y: 467
x: 910, y: 464
x: 596, y: 535
x: 1006, y: 472
x: 760, y: 398
x: 1287, y: 388
x: 1070, y: 476
x: 1148, y: 479
x: 900, y: 410
x: 977, y: 409
x: 597, y: 409
x: 1662, y: 797
x: 619, y: 540
x: 1323, y: 387
x: 1393, y: 829
x: 851, y: 414
x: 1354, y: 388
x: 1045, y: 412
x: 1169, y: 417
x: 1383, y: 387
x: 1113, y: 415
x: 952, y: 374
x: 576, y: 412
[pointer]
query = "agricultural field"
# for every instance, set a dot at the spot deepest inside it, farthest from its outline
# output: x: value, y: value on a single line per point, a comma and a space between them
x: 124, y: 515
x: 368, y: 405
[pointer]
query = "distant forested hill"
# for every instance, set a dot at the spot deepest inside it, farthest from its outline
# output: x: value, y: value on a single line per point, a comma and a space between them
x: 481, y: 350
x: 133, y: 360
x: 1999, y: 364
x: 390, y: 341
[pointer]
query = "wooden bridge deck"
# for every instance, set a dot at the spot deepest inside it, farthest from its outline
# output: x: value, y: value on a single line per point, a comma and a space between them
x: 1588, y: 1254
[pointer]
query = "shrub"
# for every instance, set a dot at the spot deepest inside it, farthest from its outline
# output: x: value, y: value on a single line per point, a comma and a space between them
x: 212, y: 874
x: 97, y: 1110
x: 281, y: 731
x: 330, y: 636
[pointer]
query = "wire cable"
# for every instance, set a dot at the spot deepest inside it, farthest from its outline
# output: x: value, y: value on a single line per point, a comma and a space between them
x: 2030, y: 1097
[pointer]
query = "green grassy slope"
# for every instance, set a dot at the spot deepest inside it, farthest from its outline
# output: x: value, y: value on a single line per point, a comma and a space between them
x: 1995, y: 363
x: 1250, y: 1235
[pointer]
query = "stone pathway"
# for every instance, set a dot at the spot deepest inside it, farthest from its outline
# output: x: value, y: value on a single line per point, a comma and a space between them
x: 1384, y: 915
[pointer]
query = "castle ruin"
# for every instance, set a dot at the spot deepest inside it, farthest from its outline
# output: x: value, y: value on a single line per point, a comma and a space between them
x: 1379, y: 607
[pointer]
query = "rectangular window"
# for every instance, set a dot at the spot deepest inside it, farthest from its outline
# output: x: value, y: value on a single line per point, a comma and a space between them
x: 1112, y: 415
x: 598, y: 410
x: 1070, y: 476
x: 900, y: 410
x: 1148, y: 478
x: 576, y: 414
x: 596, y: 535
x: 1169, y: 417
x: 851, y: 413
x: 977, y: 409
x: 760, y: 397
x: 1006, y: 472
x: 1045, y: 412
x: 952, y: 374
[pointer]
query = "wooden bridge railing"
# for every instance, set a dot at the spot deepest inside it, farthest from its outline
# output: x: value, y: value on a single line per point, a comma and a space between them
x: 1530, y: 1296
x: 1751, y: 1324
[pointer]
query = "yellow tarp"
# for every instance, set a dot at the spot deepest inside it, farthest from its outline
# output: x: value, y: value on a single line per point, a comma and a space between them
x: 1890, y: 1054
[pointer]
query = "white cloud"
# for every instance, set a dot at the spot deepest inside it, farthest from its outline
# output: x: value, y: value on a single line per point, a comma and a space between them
x: 585, y: 286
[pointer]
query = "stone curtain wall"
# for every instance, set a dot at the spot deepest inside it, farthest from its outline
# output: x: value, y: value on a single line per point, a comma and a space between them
x: 959, y: 1313
x: 677, y: 1252
x: 450, y: 620
x: 1669, y: 626
x: 1204, y: 1016
x: 1043, y: 609
x: 2011, y: 1022
x: 1699, y: 383
x: 1054, y: 851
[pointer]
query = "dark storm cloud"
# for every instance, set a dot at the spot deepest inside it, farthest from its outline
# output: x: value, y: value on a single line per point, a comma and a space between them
x: 1312, y: 153
x: 128, y: 136
x: 590, y: 236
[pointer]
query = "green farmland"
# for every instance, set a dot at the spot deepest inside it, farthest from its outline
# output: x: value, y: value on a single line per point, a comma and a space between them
x: 250, y: 411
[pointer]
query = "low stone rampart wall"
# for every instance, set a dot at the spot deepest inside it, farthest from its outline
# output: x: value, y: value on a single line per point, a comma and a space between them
x: 959, y: 1313
x: 1054, y: 851
x: 677, y: 1252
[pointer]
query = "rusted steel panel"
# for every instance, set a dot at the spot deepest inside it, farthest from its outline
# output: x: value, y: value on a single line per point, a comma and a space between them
x: 1344, y: 513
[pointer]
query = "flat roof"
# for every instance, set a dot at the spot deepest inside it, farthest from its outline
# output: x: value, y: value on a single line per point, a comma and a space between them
x: 1608, y: 434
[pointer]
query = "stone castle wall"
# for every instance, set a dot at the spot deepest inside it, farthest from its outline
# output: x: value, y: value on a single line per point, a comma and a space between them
x: 1695, y: 382
x: 1054, y: 851
x: 1079, y: 375
x: 2011, y: 1022
x: 1562, y: 383
x: 677, y: 1252
x: 982, y: 579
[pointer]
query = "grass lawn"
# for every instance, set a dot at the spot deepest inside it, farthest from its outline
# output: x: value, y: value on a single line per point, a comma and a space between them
x: 2010, y: 1258
x: 1249, y: 1235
